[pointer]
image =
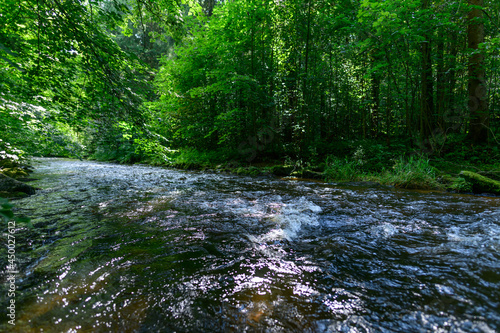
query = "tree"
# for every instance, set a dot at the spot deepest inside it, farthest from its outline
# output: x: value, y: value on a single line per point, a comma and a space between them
x: 478, y: 102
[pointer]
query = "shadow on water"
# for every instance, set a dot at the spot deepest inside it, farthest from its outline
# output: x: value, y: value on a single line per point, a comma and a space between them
x: 143, y: 249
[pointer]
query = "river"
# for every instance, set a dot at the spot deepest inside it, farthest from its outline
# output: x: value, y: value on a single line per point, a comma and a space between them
x: 118, y: 248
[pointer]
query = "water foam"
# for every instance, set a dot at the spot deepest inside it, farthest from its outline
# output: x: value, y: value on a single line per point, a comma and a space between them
x: 290, y: 219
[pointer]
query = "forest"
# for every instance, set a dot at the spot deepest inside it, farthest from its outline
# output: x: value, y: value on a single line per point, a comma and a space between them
x: 337, y: 90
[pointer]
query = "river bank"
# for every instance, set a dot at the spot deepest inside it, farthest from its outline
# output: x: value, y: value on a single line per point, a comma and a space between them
x: 418, y: 172
x: 445, y: 169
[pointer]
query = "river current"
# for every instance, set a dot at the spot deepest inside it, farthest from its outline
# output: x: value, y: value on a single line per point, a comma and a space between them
x: 117, y: 248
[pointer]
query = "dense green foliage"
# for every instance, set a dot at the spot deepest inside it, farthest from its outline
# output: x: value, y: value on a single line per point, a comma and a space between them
x: 350, y: 86
x: 65, y: 80
x: 296, y: 77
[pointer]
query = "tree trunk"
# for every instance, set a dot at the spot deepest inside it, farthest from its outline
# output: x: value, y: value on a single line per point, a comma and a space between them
x: 452, y: 120
x: 208, y: 7
x: 306, y: 93
x: 375, y: 92
x: 478, y: 103
x: 427, y: 86
x: 441, y: 81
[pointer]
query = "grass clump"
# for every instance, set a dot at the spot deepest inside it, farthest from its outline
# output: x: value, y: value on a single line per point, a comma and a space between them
x: 412, y: 173
x: 342, y: 169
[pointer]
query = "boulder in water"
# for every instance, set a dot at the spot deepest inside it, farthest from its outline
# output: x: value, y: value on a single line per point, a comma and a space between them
x: 10, y: 185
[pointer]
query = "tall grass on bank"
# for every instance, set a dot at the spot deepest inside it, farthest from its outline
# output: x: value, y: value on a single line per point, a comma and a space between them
x: 411, y: 173
x: 338, y: 169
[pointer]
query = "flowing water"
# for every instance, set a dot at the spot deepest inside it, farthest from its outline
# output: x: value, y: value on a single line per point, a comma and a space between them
x: 118, y: 248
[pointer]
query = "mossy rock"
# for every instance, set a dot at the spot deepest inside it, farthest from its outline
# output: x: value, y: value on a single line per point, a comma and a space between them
x: 491, y: 174
x: 14, y: 172
x: 10, y: 195
x: 11, y: 185
x: 481, y: 184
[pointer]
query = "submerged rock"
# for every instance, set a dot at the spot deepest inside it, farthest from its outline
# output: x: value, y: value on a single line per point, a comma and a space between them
x: 10, y: 185
x: 481, y: 184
